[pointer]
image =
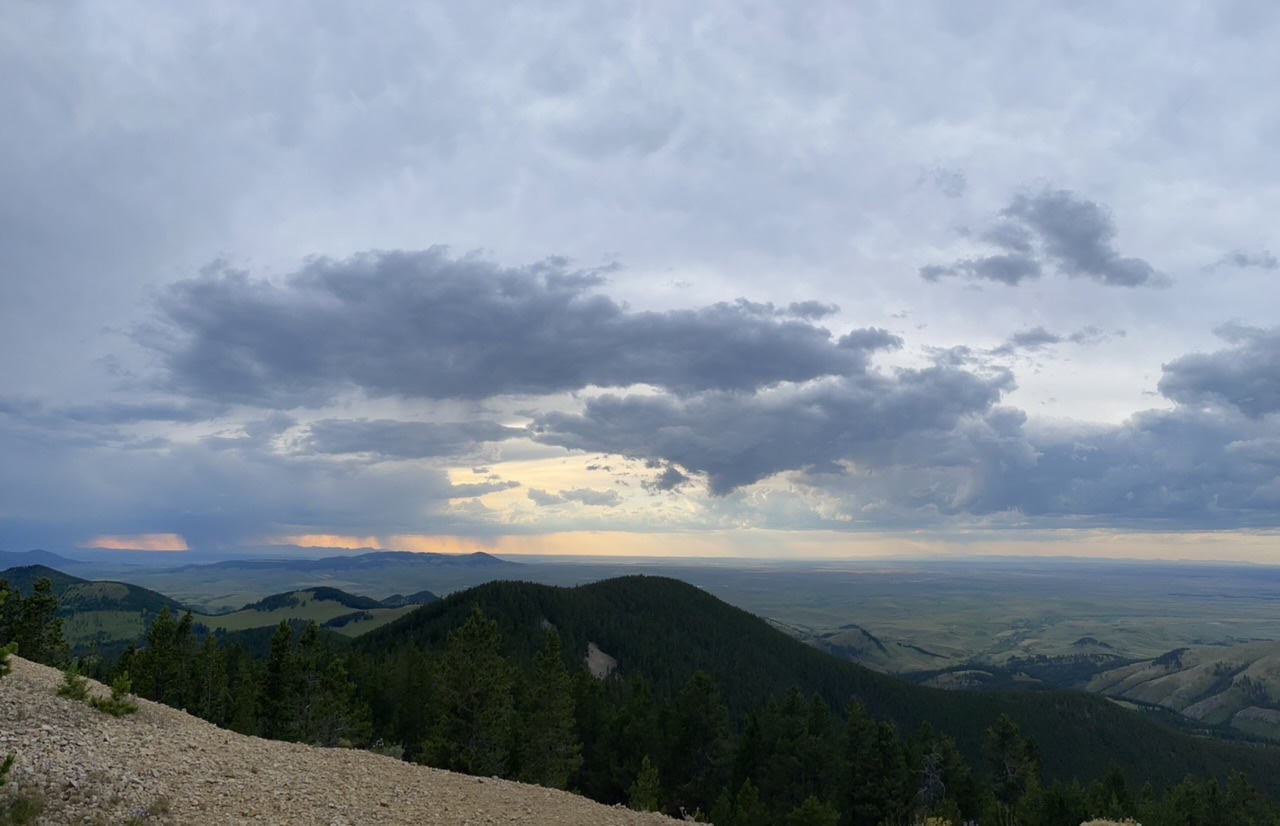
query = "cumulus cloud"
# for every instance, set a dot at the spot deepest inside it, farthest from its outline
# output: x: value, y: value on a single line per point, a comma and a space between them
x: 734, y: 440
x: 427, y: 325
x: 1055, y: 228
x: 1245, y: 376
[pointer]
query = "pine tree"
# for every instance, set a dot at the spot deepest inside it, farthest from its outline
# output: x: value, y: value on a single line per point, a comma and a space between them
x: 550, y: 752
x: 813, y: 812
x: 698, y: 752
x: 5, y: 651
x: 476, y: 708
x: 279, y: 687
x: 747, y: 808
x: 643, y: 794
x: 11, y: 647
x: 211, y: 689
x: 38, y: 630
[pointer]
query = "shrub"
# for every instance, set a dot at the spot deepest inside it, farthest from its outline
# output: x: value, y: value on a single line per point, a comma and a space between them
x: 117, y: 705
x: 74, y: 685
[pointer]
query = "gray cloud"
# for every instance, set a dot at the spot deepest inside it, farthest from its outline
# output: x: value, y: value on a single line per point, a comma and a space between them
x: 1181, y: 469
x: 404, y: 440
x: 1054, y: 226
x: 735, y: 440
x: 584, y: 496
x: 1262, y: 259
x: 1038, y: 338
x: 1246, y: 376
x: 423, y: 324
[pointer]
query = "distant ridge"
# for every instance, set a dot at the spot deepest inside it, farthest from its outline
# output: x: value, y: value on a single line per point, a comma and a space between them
x: 76, y: 595
x: 375, y: 559
x: 21, y: 559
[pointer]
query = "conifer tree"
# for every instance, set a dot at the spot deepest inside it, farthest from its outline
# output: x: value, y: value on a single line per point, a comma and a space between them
x: 748, y: 810
x: 550, y: 752
x: 279, y: 687
x: 211, y: 689
x: 476, y: 708
x: 5, y: 651
x: 813, y: 812
x: 38, y: 628
x: 10, y: 647
x: 643, y: 794
x: 698, y: 752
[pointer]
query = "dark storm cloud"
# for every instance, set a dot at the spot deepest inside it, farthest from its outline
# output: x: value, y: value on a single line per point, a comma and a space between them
x: 1181, y: 469
x: 1246, y: 376
x: 1054, y: 227
x: 214, y: 493
x: 404, y: 440
x: 423, y: 324
x: 736, y: 440
x: 116, y: 413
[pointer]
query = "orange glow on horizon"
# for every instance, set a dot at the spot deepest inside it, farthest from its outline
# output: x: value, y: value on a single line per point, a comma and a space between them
x: 820, y: 545
x: 165, y: 542
x: 325, y: 540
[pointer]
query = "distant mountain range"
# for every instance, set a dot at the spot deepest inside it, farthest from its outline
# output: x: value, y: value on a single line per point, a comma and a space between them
x: 16, y: 559
x: 376, y: 559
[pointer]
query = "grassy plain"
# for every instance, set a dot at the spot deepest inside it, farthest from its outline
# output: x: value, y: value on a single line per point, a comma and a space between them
x: 907, y: 616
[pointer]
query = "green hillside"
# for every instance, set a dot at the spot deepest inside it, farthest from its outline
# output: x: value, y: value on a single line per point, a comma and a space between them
x: 348, y: 614
x: 666, y: 630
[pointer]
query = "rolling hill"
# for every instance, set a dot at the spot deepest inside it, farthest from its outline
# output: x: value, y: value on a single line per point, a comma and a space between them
x: 666, y: 630
x: 77, y: 596
x: 1237, y: 686
x: 347, y: 614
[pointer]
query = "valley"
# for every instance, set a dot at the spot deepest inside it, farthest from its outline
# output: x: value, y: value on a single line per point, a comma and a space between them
x: 1104, y: 627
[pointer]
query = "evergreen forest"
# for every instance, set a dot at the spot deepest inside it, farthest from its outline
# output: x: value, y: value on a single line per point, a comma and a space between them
x: 710, y: 713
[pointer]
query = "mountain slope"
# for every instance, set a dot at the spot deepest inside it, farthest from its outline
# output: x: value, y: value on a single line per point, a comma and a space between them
x: 666, y: 630
x: 1237, y: 686
x: 76, y: 595
x: 163, y: 766
x: 17, y: 559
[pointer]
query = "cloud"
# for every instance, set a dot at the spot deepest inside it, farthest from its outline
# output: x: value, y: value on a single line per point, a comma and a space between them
x: 1246, y: 376
x: 584, y: 496
x: 140, y: 542
x: 425, y: 325
x: 403, y: 440
x: 735, y: 440
x: 1038, y: 338
x: 1262, y: 259
x: 1052, y: 227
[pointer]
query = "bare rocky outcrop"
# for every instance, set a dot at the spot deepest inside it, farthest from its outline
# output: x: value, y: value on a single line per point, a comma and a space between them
x: 164, y: 766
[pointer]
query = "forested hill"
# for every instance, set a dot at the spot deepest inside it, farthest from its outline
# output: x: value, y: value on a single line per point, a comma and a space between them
x: 76, y: 595
x: 666, y: 630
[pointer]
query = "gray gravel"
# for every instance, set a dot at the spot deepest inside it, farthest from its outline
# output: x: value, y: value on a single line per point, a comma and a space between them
x: 164, y: 766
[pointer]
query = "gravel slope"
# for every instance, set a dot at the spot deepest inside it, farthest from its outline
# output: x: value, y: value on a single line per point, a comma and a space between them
x: 163, y: 766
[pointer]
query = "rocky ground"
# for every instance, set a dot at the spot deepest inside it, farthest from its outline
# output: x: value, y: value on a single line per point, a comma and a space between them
x: 163, y: 766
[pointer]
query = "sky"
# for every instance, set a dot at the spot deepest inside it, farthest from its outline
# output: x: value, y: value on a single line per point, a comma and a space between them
x: 717, y: 279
